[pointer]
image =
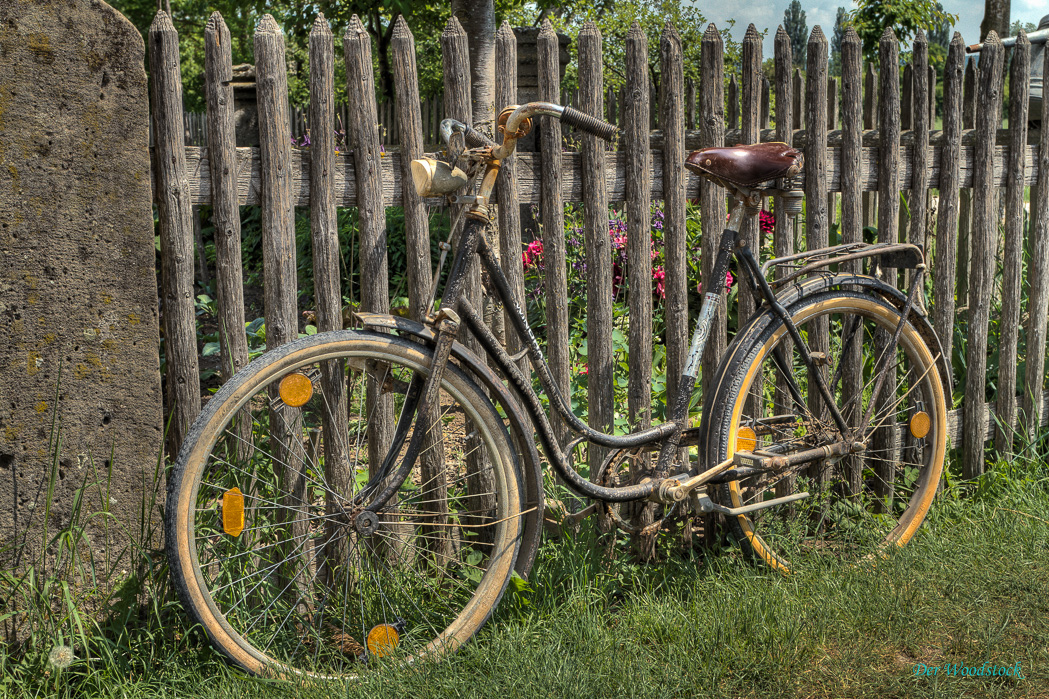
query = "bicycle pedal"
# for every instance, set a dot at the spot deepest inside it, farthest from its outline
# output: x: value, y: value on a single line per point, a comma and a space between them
x: 748, y: 459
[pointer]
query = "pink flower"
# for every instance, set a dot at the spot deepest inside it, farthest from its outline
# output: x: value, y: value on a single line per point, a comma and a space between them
x: 660, y: 278
x: 729, y: 281
x: 533, y: 254
x: 766, y: 221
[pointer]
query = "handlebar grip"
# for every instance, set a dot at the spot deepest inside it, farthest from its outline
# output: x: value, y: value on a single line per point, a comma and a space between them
x: 476, y: 139
x: 592, y: 125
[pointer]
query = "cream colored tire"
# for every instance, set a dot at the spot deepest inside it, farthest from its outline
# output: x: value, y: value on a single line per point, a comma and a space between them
x: 301, y: 588
x: 858, y: 503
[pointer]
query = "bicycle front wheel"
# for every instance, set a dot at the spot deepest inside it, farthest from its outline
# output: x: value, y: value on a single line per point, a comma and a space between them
x: 268, y: 548
x: 767, y: 402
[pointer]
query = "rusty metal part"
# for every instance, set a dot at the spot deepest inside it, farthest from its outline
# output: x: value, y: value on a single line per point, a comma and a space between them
x: 523, y: 129
x: 901, y: 255
x: 675, y: 489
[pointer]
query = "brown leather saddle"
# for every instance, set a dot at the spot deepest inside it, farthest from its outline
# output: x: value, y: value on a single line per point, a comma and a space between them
x: 746, y: 166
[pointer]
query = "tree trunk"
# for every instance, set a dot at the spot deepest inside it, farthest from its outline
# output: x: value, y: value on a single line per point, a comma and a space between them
x: 995, y: 16
x: 478, y: 20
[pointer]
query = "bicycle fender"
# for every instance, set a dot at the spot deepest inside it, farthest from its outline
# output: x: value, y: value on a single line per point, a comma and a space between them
x: 918, y: 317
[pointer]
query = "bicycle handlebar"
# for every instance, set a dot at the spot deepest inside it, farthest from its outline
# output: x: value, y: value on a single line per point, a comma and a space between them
x: 592, y: 125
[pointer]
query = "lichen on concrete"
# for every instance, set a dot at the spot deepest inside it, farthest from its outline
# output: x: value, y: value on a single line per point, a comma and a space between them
x: 78, y: 297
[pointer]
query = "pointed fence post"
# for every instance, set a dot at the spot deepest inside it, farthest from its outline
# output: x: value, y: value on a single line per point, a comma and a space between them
x: 1038, y: 301
x: 851, y: 222
x: 509, y: 210
x: 886, y: 440
x: 176, y: 232
x: 362, y: 136
x: 946, y: 261
x: 553, y: 214
x: 817, y: 218
x: 1015, y: 176
x: 984, y: 234
x: 225, y: 209
x: 600, y: 367
x: 638, y: 166
x: 711, y: 196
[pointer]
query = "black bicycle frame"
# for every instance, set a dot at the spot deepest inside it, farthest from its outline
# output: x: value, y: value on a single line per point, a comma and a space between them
x: 472, y: 242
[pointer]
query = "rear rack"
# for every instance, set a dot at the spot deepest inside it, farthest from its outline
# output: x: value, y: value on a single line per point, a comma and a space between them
x: 893, y: 255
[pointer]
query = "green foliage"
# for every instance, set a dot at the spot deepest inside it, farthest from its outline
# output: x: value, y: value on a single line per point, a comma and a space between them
x: 614, y: 21
x: 840, y: 24
x: 798, y: 31
x: 872, y: 17
x: 296, y: 17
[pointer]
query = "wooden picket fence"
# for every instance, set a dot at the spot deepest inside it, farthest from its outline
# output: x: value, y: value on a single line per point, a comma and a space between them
x: 859, y: 159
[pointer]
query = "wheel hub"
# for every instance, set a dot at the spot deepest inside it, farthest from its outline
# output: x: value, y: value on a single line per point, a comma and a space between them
x: 366, y: 523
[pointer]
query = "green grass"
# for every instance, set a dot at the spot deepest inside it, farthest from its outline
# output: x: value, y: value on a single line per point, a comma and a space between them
x: 970, y: 589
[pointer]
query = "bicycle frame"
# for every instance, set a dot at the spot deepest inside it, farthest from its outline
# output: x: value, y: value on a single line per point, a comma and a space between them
x: 670, y: 435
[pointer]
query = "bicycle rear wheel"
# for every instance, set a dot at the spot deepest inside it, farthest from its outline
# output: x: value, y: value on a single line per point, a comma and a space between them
x: 267, y: 549
x: 858, y: 502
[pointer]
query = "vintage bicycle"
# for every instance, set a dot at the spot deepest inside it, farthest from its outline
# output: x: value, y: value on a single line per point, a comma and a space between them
x: 365, y: 496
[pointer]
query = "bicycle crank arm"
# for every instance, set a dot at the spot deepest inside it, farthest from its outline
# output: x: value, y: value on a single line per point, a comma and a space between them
x: 703, y: 503
x: 677, y: 488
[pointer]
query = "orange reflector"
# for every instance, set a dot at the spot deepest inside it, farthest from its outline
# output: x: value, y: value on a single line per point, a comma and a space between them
x: 920, y: 424
x: 746, y: 439
x: 233, y: 512
x: 295, y: 390
x: 382, y: 639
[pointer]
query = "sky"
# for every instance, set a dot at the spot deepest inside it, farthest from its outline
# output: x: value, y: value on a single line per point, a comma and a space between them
x: 769, y: 14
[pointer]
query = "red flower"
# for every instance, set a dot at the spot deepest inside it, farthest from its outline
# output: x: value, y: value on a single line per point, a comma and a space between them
x: 660, y: 278
x: 534, y: 253
x: 766, y: 221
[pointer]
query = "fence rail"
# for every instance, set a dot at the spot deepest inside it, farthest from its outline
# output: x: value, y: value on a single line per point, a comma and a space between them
x: 867, y: 139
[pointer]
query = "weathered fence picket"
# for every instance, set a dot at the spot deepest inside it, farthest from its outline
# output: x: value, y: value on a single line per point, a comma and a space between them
x: 1038, y: 273
x: 182, y: 398
x: 553, y: 214
x: 983, y: 237
x: 675, y: 237
x: 712, y: 197
x: 599, y: 357
x: 783, y: 232
x: 225, y: 209
x: 817, y: 194
x: 1013, y: 244
x: 948, y: 240
x: 917, y: 198
x: 885, y: 441
x: 851, y: 223
x: 750, y: 128
x: 509, y: 215
x: 362, y: 136
x: 638, y: 201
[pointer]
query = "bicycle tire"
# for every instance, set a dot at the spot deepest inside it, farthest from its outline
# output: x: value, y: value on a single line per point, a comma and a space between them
x: 859, y: 502
x: 309, y: 592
